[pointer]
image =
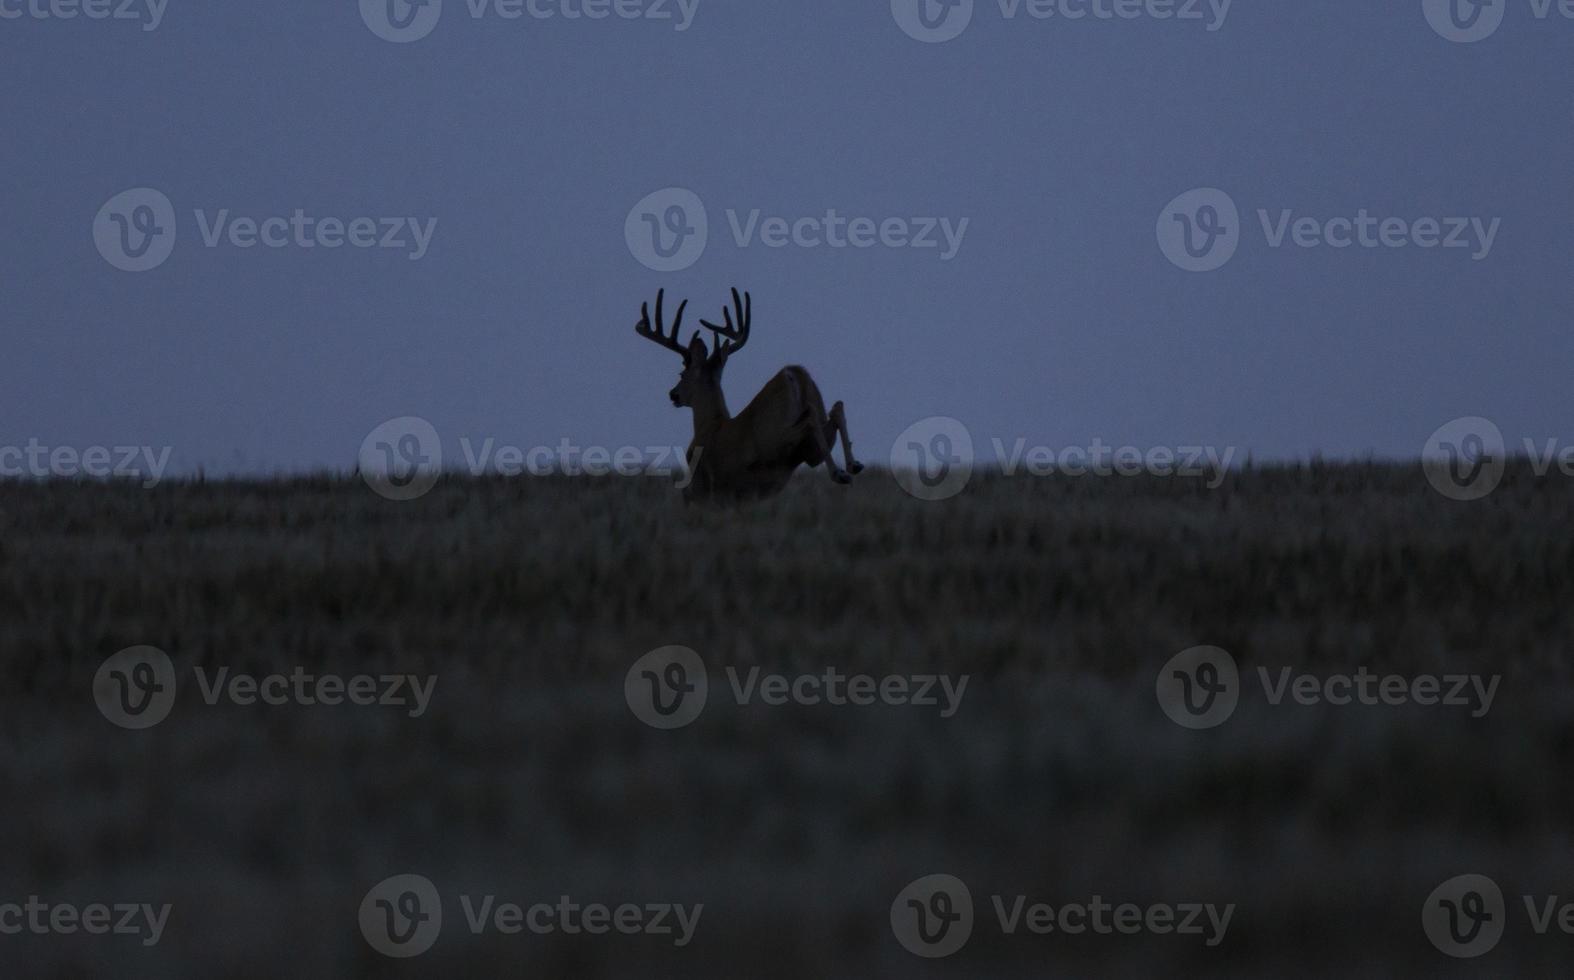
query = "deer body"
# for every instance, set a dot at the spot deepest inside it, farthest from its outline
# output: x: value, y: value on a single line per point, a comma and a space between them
x: 754, y: 453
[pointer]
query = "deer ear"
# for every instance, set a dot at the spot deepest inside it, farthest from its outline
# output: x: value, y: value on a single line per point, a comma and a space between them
x: 696, y: 348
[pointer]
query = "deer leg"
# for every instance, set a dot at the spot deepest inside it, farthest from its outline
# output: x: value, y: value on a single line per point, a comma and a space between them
x: 838, y: 425
x: 822, y: 444
x: 819, y: 436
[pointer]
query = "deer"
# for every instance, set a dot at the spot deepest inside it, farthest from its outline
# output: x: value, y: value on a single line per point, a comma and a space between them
x: 751, y: 455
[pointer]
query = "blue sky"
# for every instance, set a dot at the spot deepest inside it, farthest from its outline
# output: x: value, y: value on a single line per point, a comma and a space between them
x: 521, y: 146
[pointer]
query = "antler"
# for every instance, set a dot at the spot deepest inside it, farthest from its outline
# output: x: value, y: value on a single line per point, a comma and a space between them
x: 736, y: 336
x: 658, y: 334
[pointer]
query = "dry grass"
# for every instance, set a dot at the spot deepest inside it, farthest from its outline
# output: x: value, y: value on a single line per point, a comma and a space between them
x: 529, y: 778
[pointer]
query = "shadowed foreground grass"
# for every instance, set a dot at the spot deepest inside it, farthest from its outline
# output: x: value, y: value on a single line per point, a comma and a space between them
x: 528, y: 778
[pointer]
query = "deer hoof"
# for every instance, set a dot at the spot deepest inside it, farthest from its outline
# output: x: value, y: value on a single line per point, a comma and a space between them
x: 841, y: 477
x: 855, y: 467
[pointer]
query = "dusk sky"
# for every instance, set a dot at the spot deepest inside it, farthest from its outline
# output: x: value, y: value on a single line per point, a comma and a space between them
x: 1052, y: 315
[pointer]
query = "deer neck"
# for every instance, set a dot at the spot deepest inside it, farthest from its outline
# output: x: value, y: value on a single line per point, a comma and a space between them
x: 710, y: 414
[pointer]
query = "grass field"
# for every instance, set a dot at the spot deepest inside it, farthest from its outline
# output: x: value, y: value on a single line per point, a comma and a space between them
x: 528, y: 777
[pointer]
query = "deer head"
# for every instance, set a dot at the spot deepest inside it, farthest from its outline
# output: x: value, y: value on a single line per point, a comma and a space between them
x: 699, y: 383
